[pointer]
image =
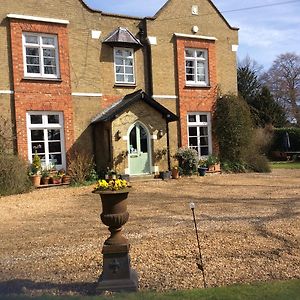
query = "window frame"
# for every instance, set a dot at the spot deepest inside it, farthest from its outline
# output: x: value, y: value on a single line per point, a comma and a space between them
x: 40, y: 46
x: 124, y: 73
x: 194, y: 59
x: 199, y: 124
x: 45, y: 126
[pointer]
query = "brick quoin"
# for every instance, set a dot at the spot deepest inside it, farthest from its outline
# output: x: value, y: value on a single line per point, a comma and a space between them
x: 195, y: 99
x: 38, y: 94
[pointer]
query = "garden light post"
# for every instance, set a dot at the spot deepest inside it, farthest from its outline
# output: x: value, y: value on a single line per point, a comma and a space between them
x: 200, y: 262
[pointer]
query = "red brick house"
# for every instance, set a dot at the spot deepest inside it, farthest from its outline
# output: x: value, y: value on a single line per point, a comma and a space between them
x: 127, y: 90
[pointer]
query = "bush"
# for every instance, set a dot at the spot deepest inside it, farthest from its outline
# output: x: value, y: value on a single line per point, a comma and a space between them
x: 233, y: 127
x: 81, y: 167
x: 13, y: 175
x: 241, y: 148
x: 187, y: 160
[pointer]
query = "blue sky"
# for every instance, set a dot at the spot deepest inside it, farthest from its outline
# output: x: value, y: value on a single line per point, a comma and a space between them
x: 264, y: 32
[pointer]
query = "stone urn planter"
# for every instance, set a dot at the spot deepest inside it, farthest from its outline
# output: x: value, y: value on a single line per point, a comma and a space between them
x: 117, y: 275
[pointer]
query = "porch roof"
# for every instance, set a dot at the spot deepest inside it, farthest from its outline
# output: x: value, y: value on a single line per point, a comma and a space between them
x: 122, y: 36
x: 118, y: 107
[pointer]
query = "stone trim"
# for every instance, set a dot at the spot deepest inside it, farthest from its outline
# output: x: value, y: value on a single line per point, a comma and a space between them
x: 87, y: 94
x: 6, y: 92
x: 39, y: 19
x: 193, y: 36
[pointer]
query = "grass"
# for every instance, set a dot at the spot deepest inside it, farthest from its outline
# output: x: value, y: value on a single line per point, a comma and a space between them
x: 285, y: 165
x: 277, y: 290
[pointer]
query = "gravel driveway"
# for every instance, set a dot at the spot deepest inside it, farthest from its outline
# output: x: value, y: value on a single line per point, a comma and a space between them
x: 51, y: 239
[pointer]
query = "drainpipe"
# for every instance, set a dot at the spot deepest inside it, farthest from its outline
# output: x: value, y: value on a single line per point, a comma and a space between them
x: 168, y: 145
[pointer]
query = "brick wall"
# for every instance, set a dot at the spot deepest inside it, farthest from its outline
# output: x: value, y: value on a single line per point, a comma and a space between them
x: 40, y: 95
x: 195, y: 99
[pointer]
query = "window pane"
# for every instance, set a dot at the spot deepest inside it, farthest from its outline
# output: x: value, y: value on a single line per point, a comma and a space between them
x: 32, y: 51
x: 36, y: 119
x: 128, y: 62
x: 32, y: 60
x: 49, y: 53
x: 31, y: 39
x: 49, y: 61
x: 190, y: 78
x: 33, y: 69
x: 143, y: 140
x: 204, y: 141
x: 203, y: 118
x: 119, y: 61
x: 192, y: 118
x: 129, y: 70
x: 37, y: 135
x: 119, y: 69
x: 55, y: 159
x: 54, y: 147
x: 38, y: 147
x: 193, y: 141
x: 119, y: 52
x: 48, y: 41
x: 189, y: 63
x: 127, y: 53
x: 129, y: 78
x: 189, y: 53
x: 192, y: 131
x: 204, y: 151
x: 120, y: 78
x: 50, y: 70
x: 203, y: 131
x: 200, y: 54
x: 53, y: 134
x: 132, y: 140
x: 53, y: 119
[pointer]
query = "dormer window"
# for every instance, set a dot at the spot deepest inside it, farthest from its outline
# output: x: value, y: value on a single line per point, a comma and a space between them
x: 124, y: 65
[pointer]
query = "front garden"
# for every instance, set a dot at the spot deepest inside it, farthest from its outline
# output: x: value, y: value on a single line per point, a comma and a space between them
x: 51, y: 239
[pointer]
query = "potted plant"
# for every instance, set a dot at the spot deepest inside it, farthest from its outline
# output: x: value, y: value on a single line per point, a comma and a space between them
x: 175, y: 172
x: 56, y: 179
x: 35, y: 170
x: 213, y: 163
x: 45, y: 176
x: 202, y: 167
x: 164, y: 175
x: 114, y: 193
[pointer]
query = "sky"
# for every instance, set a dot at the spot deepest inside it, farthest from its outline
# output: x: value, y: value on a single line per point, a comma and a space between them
x: 265, y: 32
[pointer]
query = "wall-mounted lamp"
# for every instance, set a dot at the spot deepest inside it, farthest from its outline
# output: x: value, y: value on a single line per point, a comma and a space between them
x: 118, y: 135
x: 160, y: 133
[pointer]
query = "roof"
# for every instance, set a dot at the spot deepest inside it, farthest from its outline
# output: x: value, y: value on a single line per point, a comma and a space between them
x: 122, y: 35
x: 210, y: 2
x: 118, y: 107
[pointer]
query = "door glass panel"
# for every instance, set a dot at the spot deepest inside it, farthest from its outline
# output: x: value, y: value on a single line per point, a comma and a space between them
x: 192, y: 131
x: 38, y: 147
x: 192, y: 118
x: 204, y: 151
x: 132, y: 140
x: 55, y: 159
x: 203, y: 118
x: 143, y: 139
x: 203, y: 131
x: 193, y: 141
x: 37, y: 135
x: 36, y: 119
x: 53, y: 134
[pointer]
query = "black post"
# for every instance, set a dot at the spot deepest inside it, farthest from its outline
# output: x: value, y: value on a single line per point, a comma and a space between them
x: 200, y: 263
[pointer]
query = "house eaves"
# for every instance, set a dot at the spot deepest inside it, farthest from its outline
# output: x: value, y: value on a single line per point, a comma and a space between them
x: 118, y: 107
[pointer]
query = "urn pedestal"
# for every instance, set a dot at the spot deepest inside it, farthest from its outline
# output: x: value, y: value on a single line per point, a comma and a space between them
x: 117, y: 274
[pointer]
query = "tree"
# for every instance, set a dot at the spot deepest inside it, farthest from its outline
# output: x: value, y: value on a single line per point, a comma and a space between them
x: 267, y: 110
x: 248, y: 79
x: 283, y: 80
x: 264, y: 109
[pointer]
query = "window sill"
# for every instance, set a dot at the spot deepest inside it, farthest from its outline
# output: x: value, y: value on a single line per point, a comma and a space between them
x: 41, y: 79
x: 125, y: 85
x: 197, y: 86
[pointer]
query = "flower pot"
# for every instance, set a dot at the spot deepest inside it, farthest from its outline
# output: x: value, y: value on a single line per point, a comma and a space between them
x: 36, y: 180
x: 202, y: 171
x: 45, y: 180
x: 114, y: 214
x: 66, y: 179
x: 165, y: 175
x: 175, y: 173
x: 56, y: 180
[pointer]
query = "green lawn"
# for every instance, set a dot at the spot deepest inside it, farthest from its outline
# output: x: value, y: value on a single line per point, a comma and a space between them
x: 277, y: 290
x: 285, y: 165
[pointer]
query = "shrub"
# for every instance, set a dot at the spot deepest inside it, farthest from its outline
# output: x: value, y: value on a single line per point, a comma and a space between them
x: 187, y: 160
x: 80, y: 166
x: 13, y: 175
x: 233, y: 127
x: 241, y: 148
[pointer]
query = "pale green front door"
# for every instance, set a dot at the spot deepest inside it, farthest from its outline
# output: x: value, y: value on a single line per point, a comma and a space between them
x: 139, y: 162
